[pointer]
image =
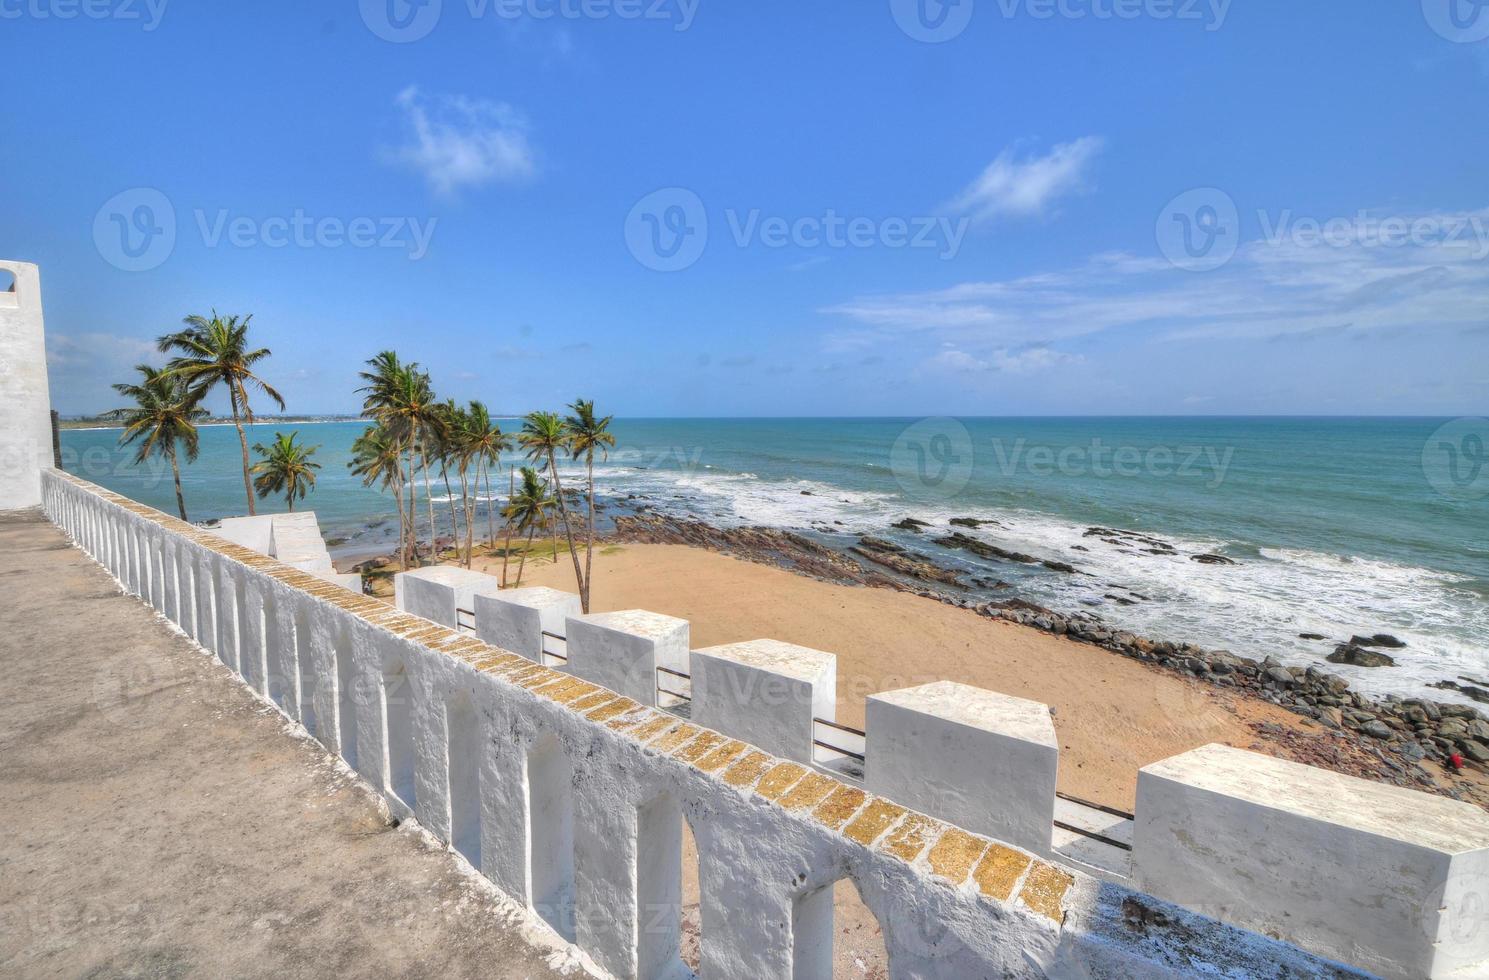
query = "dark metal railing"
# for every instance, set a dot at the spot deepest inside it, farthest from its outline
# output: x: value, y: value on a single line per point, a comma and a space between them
x: 1091, y: 834
x: 546, y: 653
x: 822, y: 743
x: 681, y: 695
x: 461, y: 615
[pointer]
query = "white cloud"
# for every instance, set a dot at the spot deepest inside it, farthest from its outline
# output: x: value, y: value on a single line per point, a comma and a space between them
x: 101, y: 351
x: 456, y: 141
x: 1026, y: 360
x: 1272, y: 290
x: 1027, y: 186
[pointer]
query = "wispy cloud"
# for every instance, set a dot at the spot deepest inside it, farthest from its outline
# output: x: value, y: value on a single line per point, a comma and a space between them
x: 1025, y: 360
x: 1272, y: 289
x: 455, y: 141
x: 1029, y: 185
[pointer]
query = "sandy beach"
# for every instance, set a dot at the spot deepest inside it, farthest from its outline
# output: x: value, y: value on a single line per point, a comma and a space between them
x: 1112, y: 715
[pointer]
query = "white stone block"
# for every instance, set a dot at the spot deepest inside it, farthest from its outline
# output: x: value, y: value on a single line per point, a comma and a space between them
x: 621, y: 650
x: 981, y: 760
x: 1383, y: 878
x: 437, y: 592
x: 765, y: 692
x: 25, y: 399
x: 516, y: 619
x: 253, y: 533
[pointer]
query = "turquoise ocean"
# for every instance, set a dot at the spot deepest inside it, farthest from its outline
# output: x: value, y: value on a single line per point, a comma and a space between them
x: 1335, y: 526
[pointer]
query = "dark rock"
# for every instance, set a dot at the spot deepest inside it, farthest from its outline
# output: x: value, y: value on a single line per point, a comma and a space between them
x: 1281, y: 675
x: 1357, y: 657
x: 910, y: 524
x: 1378, y: 640
x: 1311, y: 636
x: 1476, y: 693
x: 972, y: 522
x: 1474, y: 751
x: 984, y: 550
x: 1059, y: 566
x: 878, y: 544
x: 1376, y: 729
x: 1211, y: 559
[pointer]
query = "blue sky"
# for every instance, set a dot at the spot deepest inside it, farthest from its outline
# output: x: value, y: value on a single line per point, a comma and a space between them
x: 997, y: 207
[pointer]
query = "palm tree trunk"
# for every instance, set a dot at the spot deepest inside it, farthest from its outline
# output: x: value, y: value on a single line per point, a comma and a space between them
x: 490, y: 504
x: 589, y: 543
x: 563, y: 511
x: 242, y: 441
x: 523, y: 563
x: 552, y: 530
x: 402, y: 523
x: 176, y: 472
x: 429, y: 499
x: 444, y: 471
x: 506, y: 553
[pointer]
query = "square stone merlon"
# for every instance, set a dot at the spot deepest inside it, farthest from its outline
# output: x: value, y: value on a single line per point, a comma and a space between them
x: 622, y: 650
x: 435, y: 593
x: 1388, y: 879
x: 765, y: 692
x: 981, y: 760
x: 516, y: 619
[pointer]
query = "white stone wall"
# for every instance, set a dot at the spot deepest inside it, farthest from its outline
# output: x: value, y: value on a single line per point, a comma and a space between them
x: 25, y: 398
x: 1392, y: 880
x: 571, y: 797
x: 765, y: 692
x: 438, y: 592
x: 516, y: 619
x: 622, y: 650
x: 984, y: 761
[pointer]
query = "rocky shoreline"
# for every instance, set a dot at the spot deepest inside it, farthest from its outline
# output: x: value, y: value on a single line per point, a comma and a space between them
x: 1402, y: 735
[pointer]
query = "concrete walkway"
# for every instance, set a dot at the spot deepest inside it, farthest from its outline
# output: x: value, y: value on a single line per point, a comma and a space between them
x: 161, y: 822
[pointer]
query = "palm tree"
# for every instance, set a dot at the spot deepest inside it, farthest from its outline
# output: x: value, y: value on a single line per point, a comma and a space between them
x: 376, y: 459
x: 448, y: 447
x: 543, y: 437
x: 212, y: 352
x: 165, y: 414
x: 285, y: 468
x: 586, y: 435
x: 528, y: 510
x: 401, y: 398
x: 486, y: 442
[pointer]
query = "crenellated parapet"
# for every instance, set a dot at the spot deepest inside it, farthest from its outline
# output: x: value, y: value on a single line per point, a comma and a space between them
x: 570, y: 794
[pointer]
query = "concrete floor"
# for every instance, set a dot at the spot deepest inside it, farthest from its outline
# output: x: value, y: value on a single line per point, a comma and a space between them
x: 161, y: 822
